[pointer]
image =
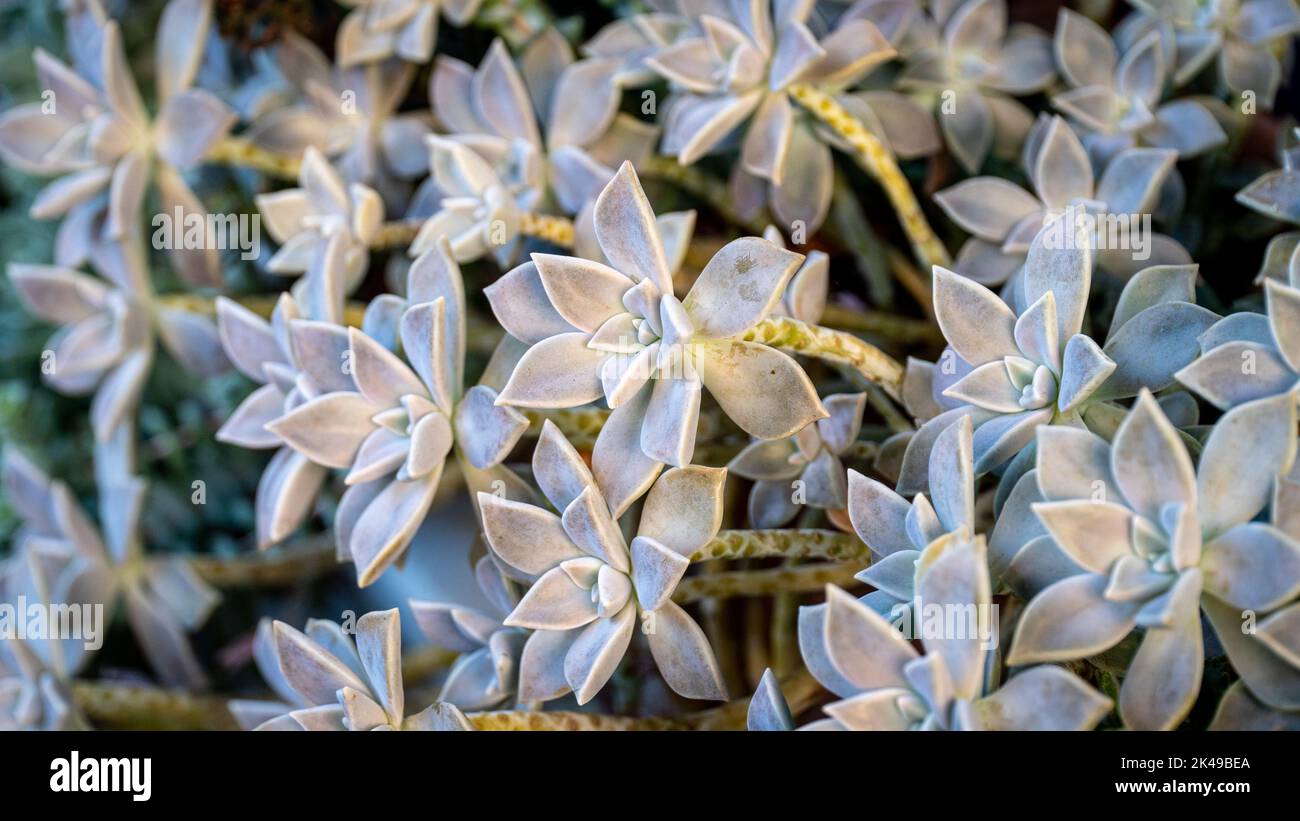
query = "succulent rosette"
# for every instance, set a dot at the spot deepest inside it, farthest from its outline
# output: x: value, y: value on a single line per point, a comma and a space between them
x: 618, y: 332
x: 591, y: 588
x: 884, y: 683
x: 1014, y: 372
x: 517, y: 159
x: 1117, y: 98
x: 1004, y: 218
x: 63, y: 559
x: 351, y: 683
x: 733, y: 72
x: 398, y: 418
x: 806, y: 466
x: 486, y: 674
x: 976, y: 70
x: 1154, y: 542
x: 1249, y: 38
x: 93, y: 132
x: 378, y: 29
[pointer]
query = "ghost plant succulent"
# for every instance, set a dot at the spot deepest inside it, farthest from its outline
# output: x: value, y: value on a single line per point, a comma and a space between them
x: 1093, y: 472
x: 1003, y: 218
x: 804, y: 469
x: 1248, y: 356
x: 1154, y: 542
x: 378, y: 29
x: 1117, y: 98
x: 487, y: 672
x: 500, y: 161
x: 66, y: 561
x: 93, y: 132
x: 975, y: 73
x: 1246, y: 35
x: 396, y: 416
x: 1013, y: 373
x: 324, y: 228
x: 351, y: 684
x: 735, y: 70
x: 618, y: 332
x: 591, y: 589
x: 885, y: 684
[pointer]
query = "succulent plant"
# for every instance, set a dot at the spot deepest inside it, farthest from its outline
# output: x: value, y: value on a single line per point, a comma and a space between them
x: 735, y: 68
x: 805, y: 466
x: 501, y: 160
x: 1118, y: 97
x: 1003, y: 218
x: 477, y: 347
x: 396, y: 417
x: 377, y: 29
x: 66, y: 561
x: 93, y: 132
x: 591, y: 589
x: 1243, y: 34
x: 486, y: 673
x: 324, y: 229
x: 351, y: 683
x: 1016, y: 372
x: 977, y: 69
x: 885, y: 684
x: 1247, y: 356
x: 618, y: 332
x: 349, y: 114
x: 1154, y: 542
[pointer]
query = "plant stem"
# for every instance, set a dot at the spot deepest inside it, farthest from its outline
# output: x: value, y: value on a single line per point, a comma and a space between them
x: 876, y: 159
x: 242, y: 153
x: 142, y: 707
x: 840, y: 348
x: 261, y: 304
x: 275, y: 568
x: 789, y: 543
x: 802, y: 579
x: 901, y: 328
x: 551, y: 228
x: 523, y: 720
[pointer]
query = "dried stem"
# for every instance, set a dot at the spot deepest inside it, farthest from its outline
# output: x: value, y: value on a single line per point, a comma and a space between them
x: 142, y: 707
x: 802, y: 579
x: 517, y: 720
x: 876, y: 159
x: 790, y: 544
x: 243, y: 153
x: 837, y: 347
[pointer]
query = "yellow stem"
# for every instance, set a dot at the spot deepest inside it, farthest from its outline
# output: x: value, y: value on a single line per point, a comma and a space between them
x: 708, y: 189
x: 790, y: 544
x: 141, y: 707
x: 802, y: 579
x: 837, y: 347
x: 876, y: 159
x: 242, y: 153
x: 554, y: 229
